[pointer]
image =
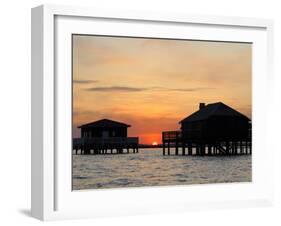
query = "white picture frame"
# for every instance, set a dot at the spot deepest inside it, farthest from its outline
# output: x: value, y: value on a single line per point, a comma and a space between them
x: 52, y: 197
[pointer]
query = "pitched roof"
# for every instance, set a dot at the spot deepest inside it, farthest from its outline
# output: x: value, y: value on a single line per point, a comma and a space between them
x: 214, y: 109
x: 104, y: 123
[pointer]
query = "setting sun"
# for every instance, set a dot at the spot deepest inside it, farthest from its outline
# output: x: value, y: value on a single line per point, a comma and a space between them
x: 154, y: 143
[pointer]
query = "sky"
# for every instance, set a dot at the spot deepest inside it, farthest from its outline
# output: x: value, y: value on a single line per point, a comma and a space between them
x: 152, y: 84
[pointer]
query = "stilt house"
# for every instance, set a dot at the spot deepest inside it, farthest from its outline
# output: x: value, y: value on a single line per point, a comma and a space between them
x: 215, y: 122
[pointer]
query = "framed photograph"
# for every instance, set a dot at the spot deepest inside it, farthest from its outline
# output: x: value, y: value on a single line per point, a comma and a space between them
x: 137, y: 112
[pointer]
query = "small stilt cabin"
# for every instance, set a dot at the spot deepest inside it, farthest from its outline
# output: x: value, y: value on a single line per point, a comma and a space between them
x: 213, y: 129
x: 104, y: 128
x: 105, y: 136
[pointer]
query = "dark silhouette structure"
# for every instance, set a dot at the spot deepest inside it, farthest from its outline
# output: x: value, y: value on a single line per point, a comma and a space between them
x: 104, y: 128
x: 213, y: 129
x: 215, y: 121
x: 103, y: 137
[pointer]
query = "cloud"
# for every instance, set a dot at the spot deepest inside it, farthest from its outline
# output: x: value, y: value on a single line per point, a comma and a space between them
x: 181, y: 89
x: 116, y: 89
x: 85, y: 81
x: 191, y: 89
x: 139, y: 89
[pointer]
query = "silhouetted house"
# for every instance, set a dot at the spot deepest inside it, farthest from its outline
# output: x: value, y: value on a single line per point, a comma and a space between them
x: 105, y: 136
x: 215, y: 129
x: 104, y: 128
x: 215, y: 122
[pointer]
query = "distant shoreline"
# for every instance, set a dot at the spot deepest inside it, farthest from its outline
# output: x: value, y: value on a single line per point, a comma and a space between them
x: 150, y: 146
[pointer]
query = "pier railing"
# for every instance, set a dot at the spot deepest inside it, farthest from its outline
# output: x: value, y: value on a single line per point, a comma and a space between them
x: 171, y: 136
x: 110, y: 140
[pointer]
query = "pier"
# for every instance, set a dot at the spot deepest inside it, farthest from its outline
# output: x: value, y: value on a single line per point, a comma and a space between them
x: 173, y: 140
x: 99, y: 146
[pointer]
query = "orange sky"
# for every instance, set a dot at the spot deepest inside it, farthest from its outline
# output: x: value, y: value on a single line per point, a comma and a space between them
x: 152, y: 84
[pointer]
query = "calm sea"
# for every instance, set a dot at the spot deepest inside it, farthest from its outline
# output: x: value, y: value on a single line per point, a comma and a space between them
x: 150, y: 168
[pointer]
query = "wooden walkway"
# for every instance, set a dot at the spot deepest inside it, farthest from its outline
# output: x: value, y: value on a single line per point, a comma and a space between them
x: 173, y: 140
x: 112, y: 145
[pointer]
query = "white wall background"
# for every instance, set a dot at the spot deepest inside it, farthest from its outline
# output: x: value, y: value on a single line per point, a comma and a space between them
x: 15, y: 111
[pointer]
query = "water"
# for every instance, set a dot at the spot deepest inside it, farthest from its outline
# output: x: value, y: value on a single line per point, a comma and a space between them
x: 150, y: 168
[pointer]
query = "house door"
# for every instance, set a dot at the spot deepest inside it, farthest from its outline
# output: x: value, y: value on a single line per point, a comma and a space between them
x: 105, y: 134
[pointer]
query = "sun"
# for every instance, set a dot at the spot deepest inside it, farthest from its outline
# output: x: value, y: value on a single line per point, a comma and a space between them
x: 154, y: 143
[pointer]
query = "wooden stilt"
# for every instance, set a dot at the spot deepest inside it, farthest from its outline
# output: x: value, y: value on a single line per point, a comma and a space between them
x: 227, y: 147
x: 203, y: 149
x: 177, y: 148
x: 168, y: 147
x: 189, y: 148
